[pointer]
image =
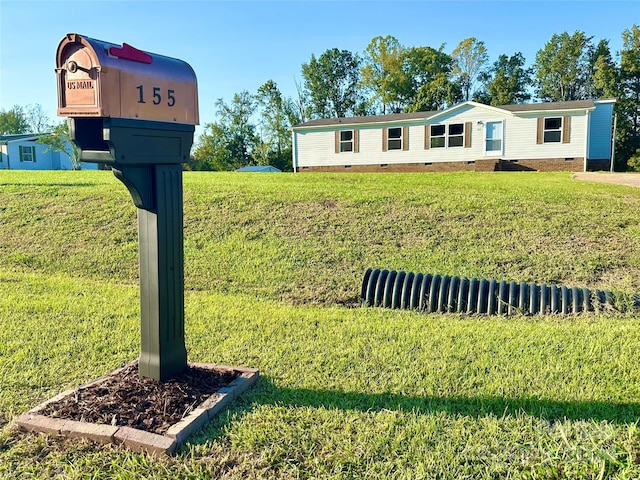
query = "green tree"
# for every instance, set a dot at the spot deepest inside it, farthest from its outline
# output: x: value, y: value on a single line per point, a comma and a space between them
x: 629, y: 99
x: 468, y: 59
x: 506, y: 82
x: 58, y: 141
x: 331, y: 81
x: 383, y: 74
x: 302, y: 105
x: 602, y: 70
x: 14, y: 121
x: 428, y: 72
x: 38, y: 120
x: 606, y: 78
x: 235, y: 119
x: 562, y: 68
x: 229, y: 142
x: 277, y: 115
x: 210, y: 152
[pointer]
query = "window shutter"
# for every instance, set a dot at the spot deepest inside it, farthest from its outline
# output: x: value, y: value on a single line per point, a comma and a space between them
x: 20, y: 152
x: 540, y: 129
x: 356, y: 141
x: 337, y: 141
x: 405, y: 138
x: 566, y: 129
x: 467, y: 135
x: 33, y: 154
x: 384, y: 139
x: 427, y: 137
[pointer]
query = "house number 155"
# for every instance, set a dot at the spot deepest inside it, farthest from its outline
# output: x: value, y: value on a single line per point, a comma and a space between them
x: 157, y: 96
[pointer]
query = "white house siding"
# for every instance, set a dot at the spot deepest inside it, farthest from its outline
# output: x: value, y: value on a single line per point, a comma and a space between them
x: 521, y: 137
x: 317, y: 147
x: 476, y: 118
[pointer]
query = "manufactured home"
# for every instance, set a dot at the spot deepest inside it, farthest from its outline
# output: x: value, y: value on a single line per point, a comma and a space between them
x: 23, y: 152
x: 554, y: 136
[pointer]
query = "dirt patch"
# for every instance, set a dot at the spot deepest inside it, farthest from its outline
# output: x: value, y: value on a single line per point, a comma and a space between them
x: 628, y: 179
x: 126, y: 399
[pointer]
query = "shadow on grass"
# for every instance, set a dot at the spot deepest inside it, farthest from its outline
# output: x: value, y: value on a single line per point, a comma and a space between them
x: 266, y: 393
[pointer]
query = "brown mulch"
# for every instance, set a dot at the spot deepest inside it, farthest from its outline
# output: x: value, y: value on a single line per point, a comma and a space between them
x: 126, y: 399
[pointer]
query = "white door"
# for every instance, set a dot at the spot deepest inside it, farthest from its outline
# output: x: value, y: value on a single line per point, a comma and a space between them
x: 493, y: 138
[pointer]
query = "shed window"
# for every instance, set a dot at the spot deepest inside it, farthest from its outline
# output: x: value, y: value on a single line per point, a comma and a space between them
x: 394, y: 138
x: 346, y: 141
x: 552, y: 130
x: 27, y: 154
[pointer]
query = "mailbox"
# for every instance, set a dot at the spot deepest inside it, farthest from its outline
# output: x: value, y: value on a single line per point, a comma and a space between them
x: 101, y: 79
x: 137, y: 112
x: 125, y: 106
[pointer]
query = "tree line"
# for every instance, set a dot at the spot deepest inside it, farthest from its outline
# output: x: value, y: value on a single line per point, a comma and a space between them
x: 388, y: 77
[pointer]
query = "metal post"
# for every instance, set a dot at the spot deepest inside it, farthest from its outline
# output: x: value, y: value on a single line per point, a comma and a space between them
x: 163, y: 352
x: 147, y: 157
x: 613, y: 140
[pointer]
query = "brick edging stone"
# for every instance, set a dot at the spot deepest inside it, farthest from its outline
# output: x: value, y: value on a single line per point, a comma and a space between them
x: 140, y: 440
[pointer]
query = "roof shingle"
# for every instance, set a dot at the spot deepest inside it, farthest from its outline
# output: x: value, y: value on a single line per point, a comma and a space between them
x: 399, y: 117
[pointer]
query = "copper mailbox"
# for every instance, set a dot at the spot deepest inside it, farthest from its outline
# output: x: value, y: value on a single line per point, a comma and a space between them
x: 101, y: 79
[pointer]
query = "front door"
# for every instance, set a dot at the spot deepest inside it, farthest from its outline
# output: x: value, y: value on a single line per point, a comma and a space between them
x: 493, y: 138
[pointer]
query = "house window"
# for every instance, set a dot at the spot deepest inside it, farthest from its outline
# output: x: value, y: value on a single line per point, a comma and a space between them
x: 27, y: 154
x: 452, y: 135
x: 456, y: 135
x: 346, y: 141
x: 552, y: 130
x: 438, y: 136
x: 394, y: 138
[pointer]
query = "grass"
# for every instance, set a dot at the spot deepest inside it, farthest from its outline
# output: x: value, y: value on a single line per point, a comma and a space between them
x: 273, y: 267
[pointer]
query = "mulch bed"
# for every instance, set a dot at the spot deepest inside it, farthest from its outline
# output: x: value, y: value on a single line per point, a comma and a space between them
x: 126, y: 399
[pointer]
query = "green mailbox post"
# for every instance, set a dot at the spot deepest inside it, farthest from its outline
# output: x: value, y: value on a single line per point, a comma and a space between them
x: 137, y: 112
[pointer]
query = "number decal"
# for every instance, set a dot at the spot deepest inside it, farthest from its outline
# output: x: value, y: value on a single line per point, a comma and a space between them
x: 157, y: 96
x: 141, y: 96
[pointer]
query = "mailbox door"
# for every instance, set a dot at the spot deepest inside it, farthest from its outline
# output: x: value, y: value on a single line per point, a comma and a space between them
x: 77, y: 82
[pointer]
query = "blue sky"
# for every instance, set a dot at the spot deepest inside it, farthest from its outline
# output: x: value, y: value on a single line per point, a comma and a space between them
x: 238, y: 45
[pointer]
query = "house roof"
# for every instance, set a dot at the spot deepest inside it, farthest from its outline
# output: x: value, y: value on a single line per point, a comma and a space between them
x: 4, y: 139
x: 394, y: 117
x: 401, y: 117
x: 549, y: 106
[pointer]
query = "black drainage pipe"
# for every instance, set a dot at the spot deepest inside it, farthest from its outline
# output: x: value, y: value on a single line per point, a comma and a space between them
x: 445, y: 294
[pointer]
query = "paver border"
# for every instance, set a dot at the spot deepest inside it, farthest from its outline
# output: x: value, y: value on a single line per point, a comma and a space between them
x: 135, y: 439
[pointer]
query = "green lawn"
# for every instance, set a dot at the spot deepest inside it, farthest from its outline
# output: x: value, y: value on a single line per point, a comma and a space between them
x: 273, y: 267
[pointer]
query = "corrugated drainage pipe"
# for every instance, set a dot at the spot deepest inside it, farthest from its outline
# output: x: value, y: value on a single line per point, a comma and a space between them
x: 446, y: 294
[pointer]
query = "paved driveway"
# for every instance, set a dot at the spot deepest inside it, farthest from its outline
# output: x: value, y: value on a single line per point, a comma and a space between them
x: 629, y: 179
